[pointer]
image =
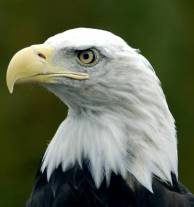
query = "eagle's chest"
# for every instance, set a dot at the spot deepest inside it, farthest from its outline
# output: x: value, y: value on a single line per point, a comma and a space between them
x: 76, y: 188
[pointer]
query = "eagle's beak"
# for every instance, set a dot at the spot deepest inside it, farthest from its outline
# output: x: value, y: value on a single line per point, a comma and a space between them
x: 33, y: 64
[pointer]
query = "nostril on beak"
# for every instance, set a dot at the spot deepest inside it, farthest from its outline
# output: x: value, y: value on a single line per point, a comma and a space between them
x: 41, y: 55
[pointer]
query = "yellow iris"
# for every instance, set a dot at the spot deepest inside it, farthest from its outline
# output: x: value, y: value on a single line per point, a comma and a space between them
x: 87, y: 57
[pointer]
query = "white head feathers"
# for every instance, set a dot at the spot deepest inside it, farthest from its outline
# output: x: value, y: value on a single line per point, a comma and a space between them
x: 118, y: 119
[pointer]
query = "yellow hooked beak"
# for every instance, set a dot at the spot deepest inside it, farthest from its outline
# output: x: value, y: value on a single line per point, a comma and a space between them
x: 33, y: 64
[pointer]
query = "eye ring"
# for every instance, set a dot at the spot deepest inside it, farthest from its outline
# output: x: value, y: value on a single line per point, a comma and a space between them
x: 87, y: 57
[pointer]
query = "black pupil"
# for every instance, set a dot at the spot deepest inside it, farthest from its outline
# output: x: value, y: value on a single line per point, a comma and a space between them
x: 85, y: 56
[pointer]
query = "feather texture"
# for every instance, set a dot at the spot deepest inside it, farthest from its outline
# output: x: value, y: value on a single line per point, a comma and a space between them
x: 75, y: 188
x: 118, y: 119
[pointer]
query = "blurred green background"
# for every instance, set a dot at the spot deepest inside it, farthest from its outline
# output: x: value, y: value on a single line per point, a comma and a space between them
x: 162, y: 30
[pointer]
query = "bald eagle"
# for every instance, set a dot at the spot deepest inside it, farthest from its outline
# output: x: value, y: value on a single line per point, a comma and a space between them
x: 117, y: 146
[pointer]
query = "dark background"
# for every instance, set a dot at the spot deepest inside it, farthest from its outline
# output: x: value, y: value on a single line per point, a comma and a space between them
x: 162, y: 30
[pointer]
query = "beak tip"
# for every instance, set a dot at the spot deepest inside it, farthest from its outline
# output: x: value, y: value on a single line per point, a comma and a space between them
x: 10, y: 87
x: 11, y: 91
x: 10, y: 80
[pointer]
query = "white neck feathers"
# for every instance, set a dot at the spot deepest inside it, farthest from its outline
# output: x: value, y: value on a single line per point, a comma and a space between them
x: 116, y: 142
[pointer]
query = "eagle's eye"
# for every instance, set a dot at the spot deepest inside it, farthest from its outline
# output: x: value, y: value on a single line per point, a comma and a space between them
x: 87, y: 57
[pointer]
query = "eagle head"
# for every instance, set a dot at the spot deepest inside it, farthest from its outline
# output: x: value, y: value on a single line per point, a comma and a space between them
x: 118, y: 118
